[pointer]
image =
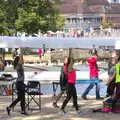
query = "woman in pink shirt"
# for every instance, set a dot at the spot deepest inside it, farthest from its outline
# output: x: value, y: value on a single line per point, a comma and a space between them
x: 93, y: 68
x: 71, y: 90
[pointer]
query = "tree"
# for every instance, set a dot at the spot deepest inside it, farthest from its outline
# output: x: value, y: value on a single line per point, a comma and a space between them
x: 29, y: 16
x: 2, y: 23
x: 38, y: 15
x: 107, y: 24
x: 28, y: 22
x: 10, y: 8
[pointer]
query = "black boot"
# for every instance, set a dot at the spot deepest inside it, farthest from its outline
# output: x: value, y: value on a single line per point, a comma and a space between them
x: 24, y: 113
x: 8, y: 110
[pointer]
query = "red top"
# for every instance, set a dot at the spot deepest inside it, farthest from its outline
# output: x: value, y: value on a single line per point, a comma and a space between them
x: 92, y: 61
x: 72, y: 76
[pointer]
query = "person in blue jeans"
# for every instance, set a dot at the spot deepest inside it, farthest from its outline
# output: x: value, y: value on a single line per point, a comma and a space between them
x: 92, y: 62
x: 90, y: 87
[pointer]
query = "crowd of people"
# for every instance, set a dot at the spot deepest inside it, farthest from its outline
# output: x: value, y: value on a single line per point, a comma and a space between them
x: 68, y: 81
x: 113, y: 85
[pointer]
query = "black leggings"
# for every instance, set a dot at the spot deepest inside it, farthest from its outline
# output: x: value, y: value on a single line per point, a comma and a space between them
x: 71, y: 92
x: 111, y: 88
x: 20, y: 96
x: 117, y: 95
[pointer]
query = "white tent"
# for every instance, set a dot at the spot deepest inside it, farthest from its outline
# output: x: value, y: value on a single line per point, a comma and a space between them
x: 54, y: 42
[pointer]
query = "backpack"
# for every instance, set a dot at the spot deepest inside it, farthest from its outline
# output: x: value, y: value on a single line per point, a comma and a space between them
x: 63, y: 79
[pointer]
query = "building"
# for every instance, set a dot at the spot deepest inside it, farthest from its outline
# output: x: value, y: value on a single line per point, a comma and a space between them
x: 83, y: 14
x: 88, y: 14
x: 113, y: 14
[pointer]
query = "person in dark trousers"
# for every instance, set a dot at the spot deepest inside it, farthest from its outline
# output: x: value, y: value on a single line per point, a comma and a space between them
x: 63, y: 82
x: 116, y: 75
x: 92, y: 62
x: 71, y: 90
x: 18, y: 65
x: 111, y: 82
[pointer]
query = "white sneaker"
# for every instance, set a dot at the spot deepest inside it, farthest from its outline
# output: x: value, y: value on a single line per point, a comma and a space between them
x: 62, y: 112
x: 78, y: 112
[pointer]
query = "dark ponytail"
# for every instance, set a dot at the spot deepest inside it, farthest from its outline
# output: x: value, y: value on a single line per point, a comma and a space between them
x: 70, y: 59
x: 16, y: 60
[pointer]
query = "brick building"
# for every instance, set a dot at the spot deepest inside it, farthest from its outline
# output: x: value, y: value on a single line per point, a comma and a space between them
x: 113, y: 14
x: 86, y: 14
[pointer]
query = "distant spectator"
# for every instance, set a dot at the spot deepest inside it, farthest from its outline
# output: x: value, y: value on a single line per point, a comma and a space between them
x: 1, y: 65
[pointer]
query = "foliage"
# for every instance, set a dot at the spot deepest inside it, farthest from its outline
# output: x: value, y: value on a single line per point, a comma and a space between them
x: 2, y: 19
x: 29, y: 16
x: 106, y: 24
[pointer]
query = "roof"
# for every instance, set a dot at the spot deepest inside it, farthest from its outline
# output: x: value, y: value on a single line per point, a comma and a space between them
x: 97, y: 2
x: 86, y: 9
x: 66, y: 9
x: 115, y: 19
x: 70, y: 1
x: 97, y: 8
x: 113, y: 9
x: 74, y: 6
x: 82, y: 6
x: 90, y: 2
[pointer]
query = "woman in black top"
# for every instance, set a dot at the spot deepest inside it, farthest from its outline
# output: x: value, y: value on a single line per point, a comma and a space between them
x: 18, y: 65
